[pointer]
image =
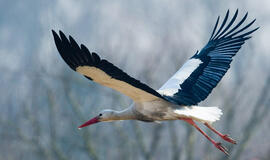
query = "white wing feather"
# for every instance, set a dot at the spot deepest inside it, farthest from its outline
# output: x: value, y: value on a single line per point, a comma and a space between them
x: 173, y: 84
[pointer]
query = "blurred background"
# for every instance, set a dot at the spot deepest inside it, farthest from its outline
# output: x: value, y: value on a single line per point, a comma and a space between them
x: 43, y: 101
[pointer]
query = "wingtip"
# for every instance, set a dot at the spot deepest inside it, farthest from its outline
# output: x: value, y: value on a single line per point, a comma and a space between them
x: 54, y: 33
x: 71, y: 39
x: 246, y: 14
x: 214, y: 30
x: 63, y: 36
x: 61, y: 33
x: 246, y: 38
x: 228, y: 12
x: 257, y: 28
x: 55, y: 36
x: 83, y: 47
x: 95, y: 55
x: 236, y: 12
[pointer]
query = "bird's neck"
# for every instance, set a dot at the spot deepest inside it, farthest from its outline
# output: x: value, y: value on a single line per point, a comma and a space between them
x: 126, y: 114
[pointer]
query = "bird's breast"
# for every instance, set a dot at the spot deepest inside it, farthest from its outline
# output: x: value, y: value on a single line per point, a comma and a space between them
x: 158, y: 110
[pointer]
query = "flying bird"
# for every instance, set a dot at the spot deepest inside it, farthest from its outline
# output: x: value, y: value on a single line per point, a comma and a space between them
x: 178, y: 98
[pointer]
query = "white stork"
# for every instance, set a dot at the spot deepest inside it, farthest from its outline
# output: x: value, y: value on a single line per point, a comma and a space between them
x: 178, y: 98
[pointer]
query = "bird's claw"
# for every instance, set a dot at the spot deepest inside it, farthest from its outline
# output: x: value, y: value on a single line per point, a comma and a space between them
x: 222, y: 148
x: 228, y: 139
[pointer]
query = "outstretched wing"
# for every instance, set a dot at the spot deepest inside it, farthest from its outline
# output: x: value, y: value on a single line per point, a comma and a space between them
x: 101, y: 71
x: 195, y: 80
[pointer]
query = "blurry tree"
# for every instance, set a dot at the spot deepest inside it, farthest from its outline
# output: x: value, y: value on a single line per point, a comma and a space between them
x: 43, y: 102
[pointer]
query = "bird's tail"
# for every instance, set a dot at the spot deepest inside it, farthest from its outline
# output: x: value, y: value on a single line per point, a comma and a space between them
x: 201, y: 114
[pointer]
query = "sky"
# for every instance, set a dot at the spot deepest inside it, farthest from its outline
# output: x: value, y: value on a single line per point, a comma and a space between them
x: 149, y: 39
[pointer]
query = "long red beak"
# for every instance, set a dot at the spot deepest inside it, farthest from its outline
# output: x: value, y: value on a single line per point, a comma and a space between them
x: 91, y: 121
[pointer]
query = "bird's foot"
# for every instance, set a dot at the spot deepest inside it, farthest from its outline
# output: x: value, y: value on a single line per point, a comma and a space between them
x: 222, y: 148
x: 218, y: 145
x: 227, y: 138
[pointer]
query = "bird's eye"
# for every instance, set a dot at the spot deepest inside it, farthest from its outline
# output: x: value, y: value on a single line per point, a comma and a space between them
x: 100, y: 114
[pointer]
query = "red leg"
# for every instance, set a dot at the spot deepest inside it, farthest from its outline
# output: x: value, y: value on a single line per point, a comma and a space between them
x: 223, y: 136
x: 217, y: 144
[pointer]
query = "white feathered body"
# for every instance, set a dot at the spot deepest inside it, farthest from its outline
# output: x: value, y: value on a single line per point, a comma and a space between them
x: 161, y: 110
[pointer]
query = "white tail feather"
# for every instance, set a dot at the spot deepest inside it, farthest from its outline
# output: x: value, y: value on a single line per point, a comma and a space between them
x: 201, y: 114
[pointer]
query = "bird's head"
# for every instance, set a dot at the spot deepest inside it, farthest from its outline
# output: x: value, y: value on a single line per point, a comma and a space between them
x: 103, y: 116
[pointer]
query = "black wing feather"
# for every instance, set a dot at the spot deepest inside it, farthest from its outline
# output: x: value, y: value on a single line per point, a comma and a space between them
x: 216, y: 57
x: 76, y: 56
